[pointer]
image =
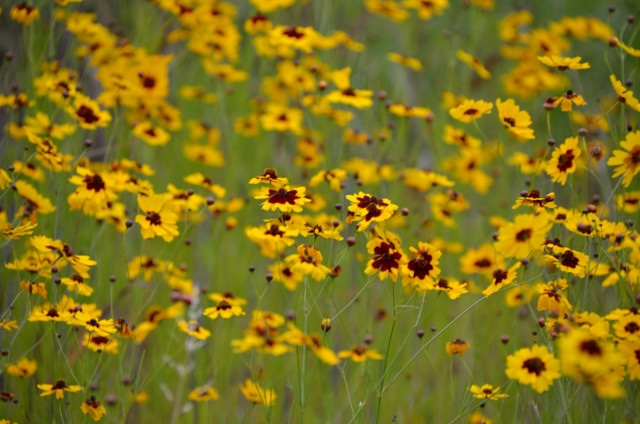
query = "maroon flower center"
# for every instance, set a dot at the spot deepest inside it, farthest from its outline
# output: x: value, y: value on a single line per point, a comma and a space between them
x: 154, y: 218
x: 591, y: 347
x: 87, y: 115
x: 565, y: 161
x: 282, y: 196
x: 523, y: 235
x: 534, y: 366
x: 94, y: 182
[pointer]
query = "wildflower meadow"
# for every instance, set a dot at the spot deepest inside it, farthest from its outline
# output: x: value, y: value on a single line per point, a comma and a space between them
x: 290, y: 211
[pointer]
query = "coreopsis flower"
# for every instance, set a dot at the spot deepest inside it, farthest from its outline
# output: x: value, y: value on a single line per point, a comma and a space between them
x: 630, y: 349
x: 457, y: 347
x: 194, y: 329
x: 80, y: 263
x: 518, y: 296
x: 360, y: 353
x: 281, y: 118
x: 564, y: 63
x: 445, y: 205
x: 23, y: 368
x: 256, y: 394
x: 258, y: 23
x: 289, y: 277
x: 227, y: 306
x: 452, y: 287
x: 427, y: 9
x: 567, y: 259
x: 151, y: 134
x: 534, y: 366
x: 95, y: 190
x: 387, y: 257
x: 203, y: 394
x: 421, y: 180
x: 474, y: 63
x: 367, y: 209
x: 524, y: 236
x: 346, y: 94
x: 470, y: 110
x: 627, y: 327
x: 98, y: 343
x: 93, y: 408
x: 159, y: 219
x: 628, y: 49
x: 409, y: 62
x: 487, y: 391
x: 269, y: 176
x: 284, y: 199
x: 34, y: 288
x: 564, y: 160
x: 460, y: 138
x: 8, y: 325
x: 58, y: 388
x: 516, y: 121
x: 627, y: 161
x: 77, y: 284
x: 24, y: 14
x: 100, y: 327
x: 308, y: 261
x: 501, y: 277
x: 624, y: 95
x: 595, y: 360
x: 534, y: 199
x: 88, y: 113
x: 369, y: 171
x: 400, y: 109
x: 388, y: 9
x: 552, y: 299
x: 483, y: 260
x: 568, y: 99
x: 41, y: 125
x: 272, y: 238
x: 334, y: 177
x: 296, y: 337
x: 421, y: 268
x: 36, y: 203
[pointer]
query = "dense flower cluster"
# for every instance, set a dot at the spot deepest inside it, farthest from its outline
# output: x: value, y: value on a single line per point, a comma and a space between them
x: 231, y: 202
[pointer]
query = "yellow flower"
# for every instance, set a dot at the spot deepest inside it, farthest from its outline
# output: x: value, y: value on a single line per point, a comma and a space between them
x: 627, y: 160
x: 58, y: 389
x: 470, y: 110
x: 407, y: 61
x: 457, y: 347
x: 563, y: 63
x: 474, y: 63
x: 568, y: 99
x: 360, y: 353
x: 23, y: 368
x: 524, y: 236
x: 283, y: 199
x: 255, y: 393
x: 93, y: 408
x: 515, y: 120
x: 536, y: 367
x: 193, y: 329
x: 487, y: 391
x: 227, y: 306
x: 564, y: 160
x: 203, y: 393
x: 24, y: 14
x: 160, y: 220
x: 624, y: 95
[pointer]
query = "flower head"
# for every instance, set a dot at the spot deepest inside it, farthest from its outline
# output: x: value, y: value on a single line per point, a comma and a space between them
x: 470, y: 110
x: 534, y: 366
x: 627, y: 161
